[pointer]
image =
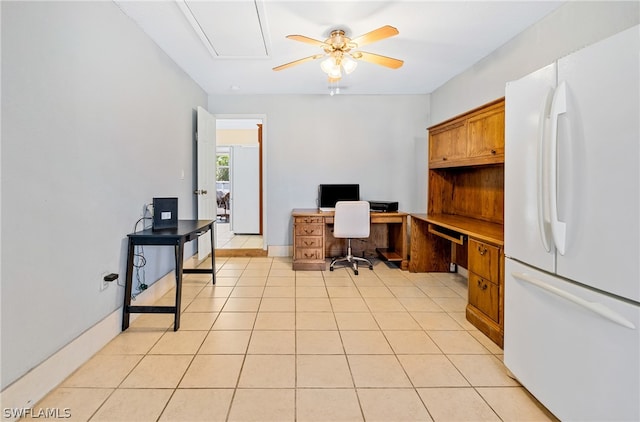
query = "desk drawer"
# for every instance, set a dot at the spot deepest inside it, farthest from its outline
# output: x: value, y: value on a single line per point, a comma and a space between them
x: 309, y: 253
x: 309, y: 220
x: 308, y: 242
x: 309, y: 229
x: 485, y: 296
x: 484, y: 260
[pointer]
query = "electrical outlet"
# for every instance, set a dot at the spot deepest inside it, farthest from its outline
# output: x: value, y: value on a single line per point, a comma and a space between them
x: 147, y: 210
x: 104, y: 284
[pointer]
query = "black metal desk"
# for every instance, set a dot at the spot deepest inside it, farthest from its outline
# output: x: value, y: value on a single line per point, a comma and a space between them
x: 187, y: 231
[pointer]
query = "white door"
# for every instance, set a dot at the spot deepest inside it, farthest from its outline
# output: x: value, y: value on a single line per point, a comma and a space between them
x: 527, y: 232
x: 245, y: 189
x: 598, y: 165
x: 206, y: 174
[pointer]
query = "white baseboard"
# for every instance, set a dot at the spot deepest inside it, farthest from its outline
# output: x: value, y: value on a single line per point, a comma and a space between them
x: 286, y: 250
x: 38, y: 382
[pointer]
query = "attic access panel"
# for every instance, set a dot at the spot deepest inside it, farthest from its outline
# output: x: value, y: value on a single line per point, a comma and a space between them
x: 216, y: 23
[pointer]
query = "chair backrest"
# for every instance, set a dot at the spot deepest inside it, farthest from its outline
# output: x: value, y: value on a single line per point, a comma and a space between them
x: 351, y: 219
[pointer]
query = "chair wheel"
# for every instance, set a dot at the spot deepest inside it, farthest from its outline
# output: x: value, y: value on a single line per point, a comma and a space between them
x: 371, y: 267
x: 330, y: 268
x: 355, y: 271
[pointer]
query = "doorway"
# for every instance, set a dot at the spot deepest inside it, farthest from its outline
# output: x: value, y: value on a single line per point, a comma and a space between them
x: 239, y: 186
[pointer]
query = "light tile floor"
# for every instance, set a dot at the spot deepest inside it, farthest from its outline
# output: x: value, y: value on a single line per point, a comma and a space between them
x: 226, y: 239
x: 270, y: 344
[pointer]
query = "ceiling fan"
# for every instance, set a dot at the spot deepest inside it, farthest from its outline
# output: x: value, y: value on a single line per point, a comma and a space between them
x: 339, y: 52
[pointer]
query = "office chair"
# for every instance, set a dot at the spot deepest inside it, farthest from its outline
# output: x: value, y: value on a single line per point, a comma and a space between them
x: 351, y: 221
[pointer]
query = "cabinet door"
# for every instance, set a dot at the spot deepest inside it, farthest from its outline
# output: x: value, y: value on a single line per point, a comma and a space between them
x: 448, y: 143
x: 485, y: 134
x: 485, y: 296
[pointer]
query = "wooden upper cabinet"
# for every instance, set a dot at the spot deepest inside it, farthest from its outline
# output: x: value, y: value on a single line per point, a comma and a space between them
x: 474, y: 138
x: 448, y: 143
x: 485, y: 133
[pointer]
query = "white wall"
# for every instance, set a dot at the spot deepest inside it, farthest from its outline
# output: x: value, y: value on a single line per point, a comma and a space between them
x: 236, y: 137
x: 309, y: 140
x: 572, y: 26
x: 96, y: 121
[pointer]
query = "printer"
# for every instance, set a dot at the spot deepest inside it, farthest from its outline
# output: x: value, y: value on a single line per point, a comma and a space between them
x: 383, y: 206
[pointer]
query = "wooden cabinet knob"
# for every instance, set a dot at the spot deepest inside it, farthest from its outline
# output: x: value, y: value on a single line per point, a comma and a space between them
x: 482, y: 250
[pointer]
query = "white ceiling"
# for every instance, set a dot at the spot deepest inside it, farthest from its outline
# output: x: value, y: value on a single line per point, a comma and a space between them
x: 230, y: 47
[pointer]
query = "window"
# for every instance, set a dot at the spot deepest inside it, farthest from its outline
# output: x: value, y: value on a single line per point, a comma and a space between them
x: 222, y: 169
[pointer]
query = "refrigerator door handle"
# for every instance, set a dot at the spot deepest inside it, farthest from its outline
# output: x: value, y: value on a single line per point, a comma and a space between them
x: 558, y: 107
x: 595, y: 307
x: 542, y: 181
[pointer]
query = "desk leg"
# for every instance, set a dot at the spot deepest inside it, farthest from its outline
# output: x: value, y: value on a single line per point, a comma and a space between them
x: 128, y: 286
x: 213, y: 255
x: 179, y: 248
x: 404, y: 245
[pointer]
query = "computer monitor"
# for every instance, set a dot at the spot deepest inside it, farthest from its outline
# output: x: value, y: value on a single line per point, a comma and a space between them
x: 329, y: 194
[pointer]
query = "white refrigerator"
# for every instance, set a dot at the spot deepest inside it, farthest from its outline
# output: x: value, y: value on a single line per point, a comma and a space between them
x: 245, y: 189
x: 572, y: 232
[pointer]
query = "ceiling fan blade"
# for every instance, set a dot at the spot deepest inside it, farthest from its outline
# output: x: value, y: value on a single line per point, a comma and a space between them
x: 375, y: 35
x: 378, y: 59
x: 307, y: 40
x: 299, y: 61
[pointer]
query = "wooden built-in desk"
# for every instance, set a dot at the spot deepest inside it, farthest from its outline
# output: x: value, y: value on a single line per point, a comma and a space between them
x: 441, y: 239
x: 313, y: 239
x: 431, y: 237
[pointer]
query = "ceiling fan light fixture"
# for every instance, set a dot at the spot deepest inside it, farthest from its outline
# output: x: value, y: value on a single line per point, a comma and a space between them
x: 328, y: 64
x: 335, y: 73
x: 331, y: 67
x: 349, y: 64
